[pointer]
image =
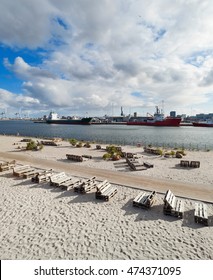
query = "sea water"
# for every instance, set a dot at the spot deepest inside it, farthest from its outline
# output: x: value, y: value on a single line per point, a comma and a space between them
x: 174, y: 137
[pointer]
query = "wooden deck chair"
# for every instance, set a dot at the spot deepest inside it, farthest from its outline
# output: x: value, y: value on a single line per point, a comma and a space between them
x: 105, y: 191
x: 201, y: 214
x: 172, y: 205
x: 144, y: 200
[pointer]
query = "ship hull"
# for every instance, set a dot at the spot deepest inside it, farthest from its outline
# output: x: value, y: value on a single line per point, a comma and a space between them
x: 84, y: 121
x: 203, y: 124
x: 165, y: 122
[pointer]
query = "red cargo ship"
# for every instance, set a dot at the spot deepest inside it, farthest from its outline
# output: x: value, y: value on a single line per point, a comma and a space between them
x: 157, y: 120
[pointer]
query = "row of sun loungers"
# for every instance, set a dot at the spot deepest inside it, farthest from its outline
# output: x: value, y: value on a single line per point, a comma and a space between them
x: 173, y: 206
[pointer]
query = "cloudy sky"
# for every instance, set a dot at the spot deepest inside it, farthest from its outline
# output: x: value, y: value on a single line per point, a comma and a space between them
x: 94, y: 56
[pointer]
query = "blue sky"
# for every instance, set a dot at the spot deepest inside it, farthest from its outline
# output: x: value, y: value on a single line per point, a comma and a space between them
x: 78, y: 57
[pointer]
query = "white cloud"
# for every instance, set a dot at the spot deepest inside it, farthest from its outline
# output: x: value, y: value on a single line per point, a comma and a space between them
x: 102, y: 51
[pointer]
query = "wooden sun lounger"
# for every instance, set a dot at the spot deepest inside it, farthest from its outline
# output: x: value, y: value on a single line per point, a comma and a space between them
x: 56, y: 179
x: 62, y: 180
x: 49, y: 143
x: 135, y: 165
x: 184, y: 163
x: 195, y: 164
x: 172, y: 205
x: 86, y: 186
x: 144, y: 200
x: 74, y: 157
x: 105, y: 191
x: 42, y: 176
x: 30, y: 173
x: 24, y: 171
x: 20, y: 169
x: 7, y: 165
x: 148, y: 165
x: 201, y: 214
x: 70, y: 184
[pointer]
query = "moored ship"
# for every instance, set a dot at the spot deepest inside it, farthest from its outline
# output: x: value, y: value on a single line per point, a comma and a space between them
x: 53, y: 118
x: 158, y: 119
x: 207, y: 123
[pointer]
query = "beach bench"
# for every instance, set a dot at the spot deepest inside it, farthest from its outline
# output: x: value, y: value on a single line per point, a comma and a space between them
x: 70, y: 184
x: 148, y: 165
x: 26, y: 140
x: 135, y: 165
x: 49, y: 143
x: 105, y: 191
x: 59, y: 178
x: 42, y: 176
x: 172, y: 205
x: 74, y: 157
x: 87, y: 156
x: 201, y: 214
x: 144, y: 200
x: 85, y: 186
x: 98, y: 147
x: 4, y: 166
x: 195, y: 164
x: 30, y: 174
x: 25, y: 172
x: 19, y: 170
x: 184, y: 163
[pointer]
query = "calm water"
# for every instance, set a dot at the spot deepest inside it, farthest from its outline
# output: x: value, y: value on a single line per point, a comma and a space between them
x: 188, y: 137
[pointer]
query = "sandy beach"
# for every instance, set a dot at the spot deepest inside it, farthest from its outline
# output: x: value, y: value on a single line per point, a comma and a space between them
x: 39, y: 221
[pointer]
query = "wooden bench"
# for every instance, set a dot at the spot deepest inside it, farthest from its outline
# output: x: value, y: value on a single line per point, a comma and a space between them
x: 70, y: 184
x: 30, y: 174
x: 87, y: 156
x: 42, y: 176
x: 135, y: 165
x: 201, y: 214
x: 74, y: 157
x: 195, y: 164
x: 105, y: 191
x: 148, y: 165
x: 7, y: 165
x: 144, y: 200
x: 184, y: 163
x: 58, y: 179
x: 49, y: 143
x: 19, y: 170
x: 172, y: 205
x: 86, y: 186
x: 98, y: 147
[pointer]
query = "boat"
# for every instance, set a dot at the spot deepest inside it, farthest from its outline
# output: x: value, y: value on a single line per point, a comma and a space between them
x: 206, y: 123
x: 53, y: 118
x: 158, y: 119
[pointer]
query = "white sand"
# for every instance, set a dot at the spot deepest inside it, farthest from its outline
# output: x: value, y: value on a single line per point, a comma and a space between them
x: 41, y: 222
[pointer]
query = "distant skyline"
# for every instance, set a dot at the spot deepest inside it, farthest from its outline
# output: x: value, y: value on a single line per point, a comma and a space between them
x: 94, y: 57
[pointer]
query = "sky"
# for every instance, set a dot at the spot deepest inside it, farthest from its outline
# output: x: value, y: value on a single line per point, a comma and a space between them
x: 92, y: 57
